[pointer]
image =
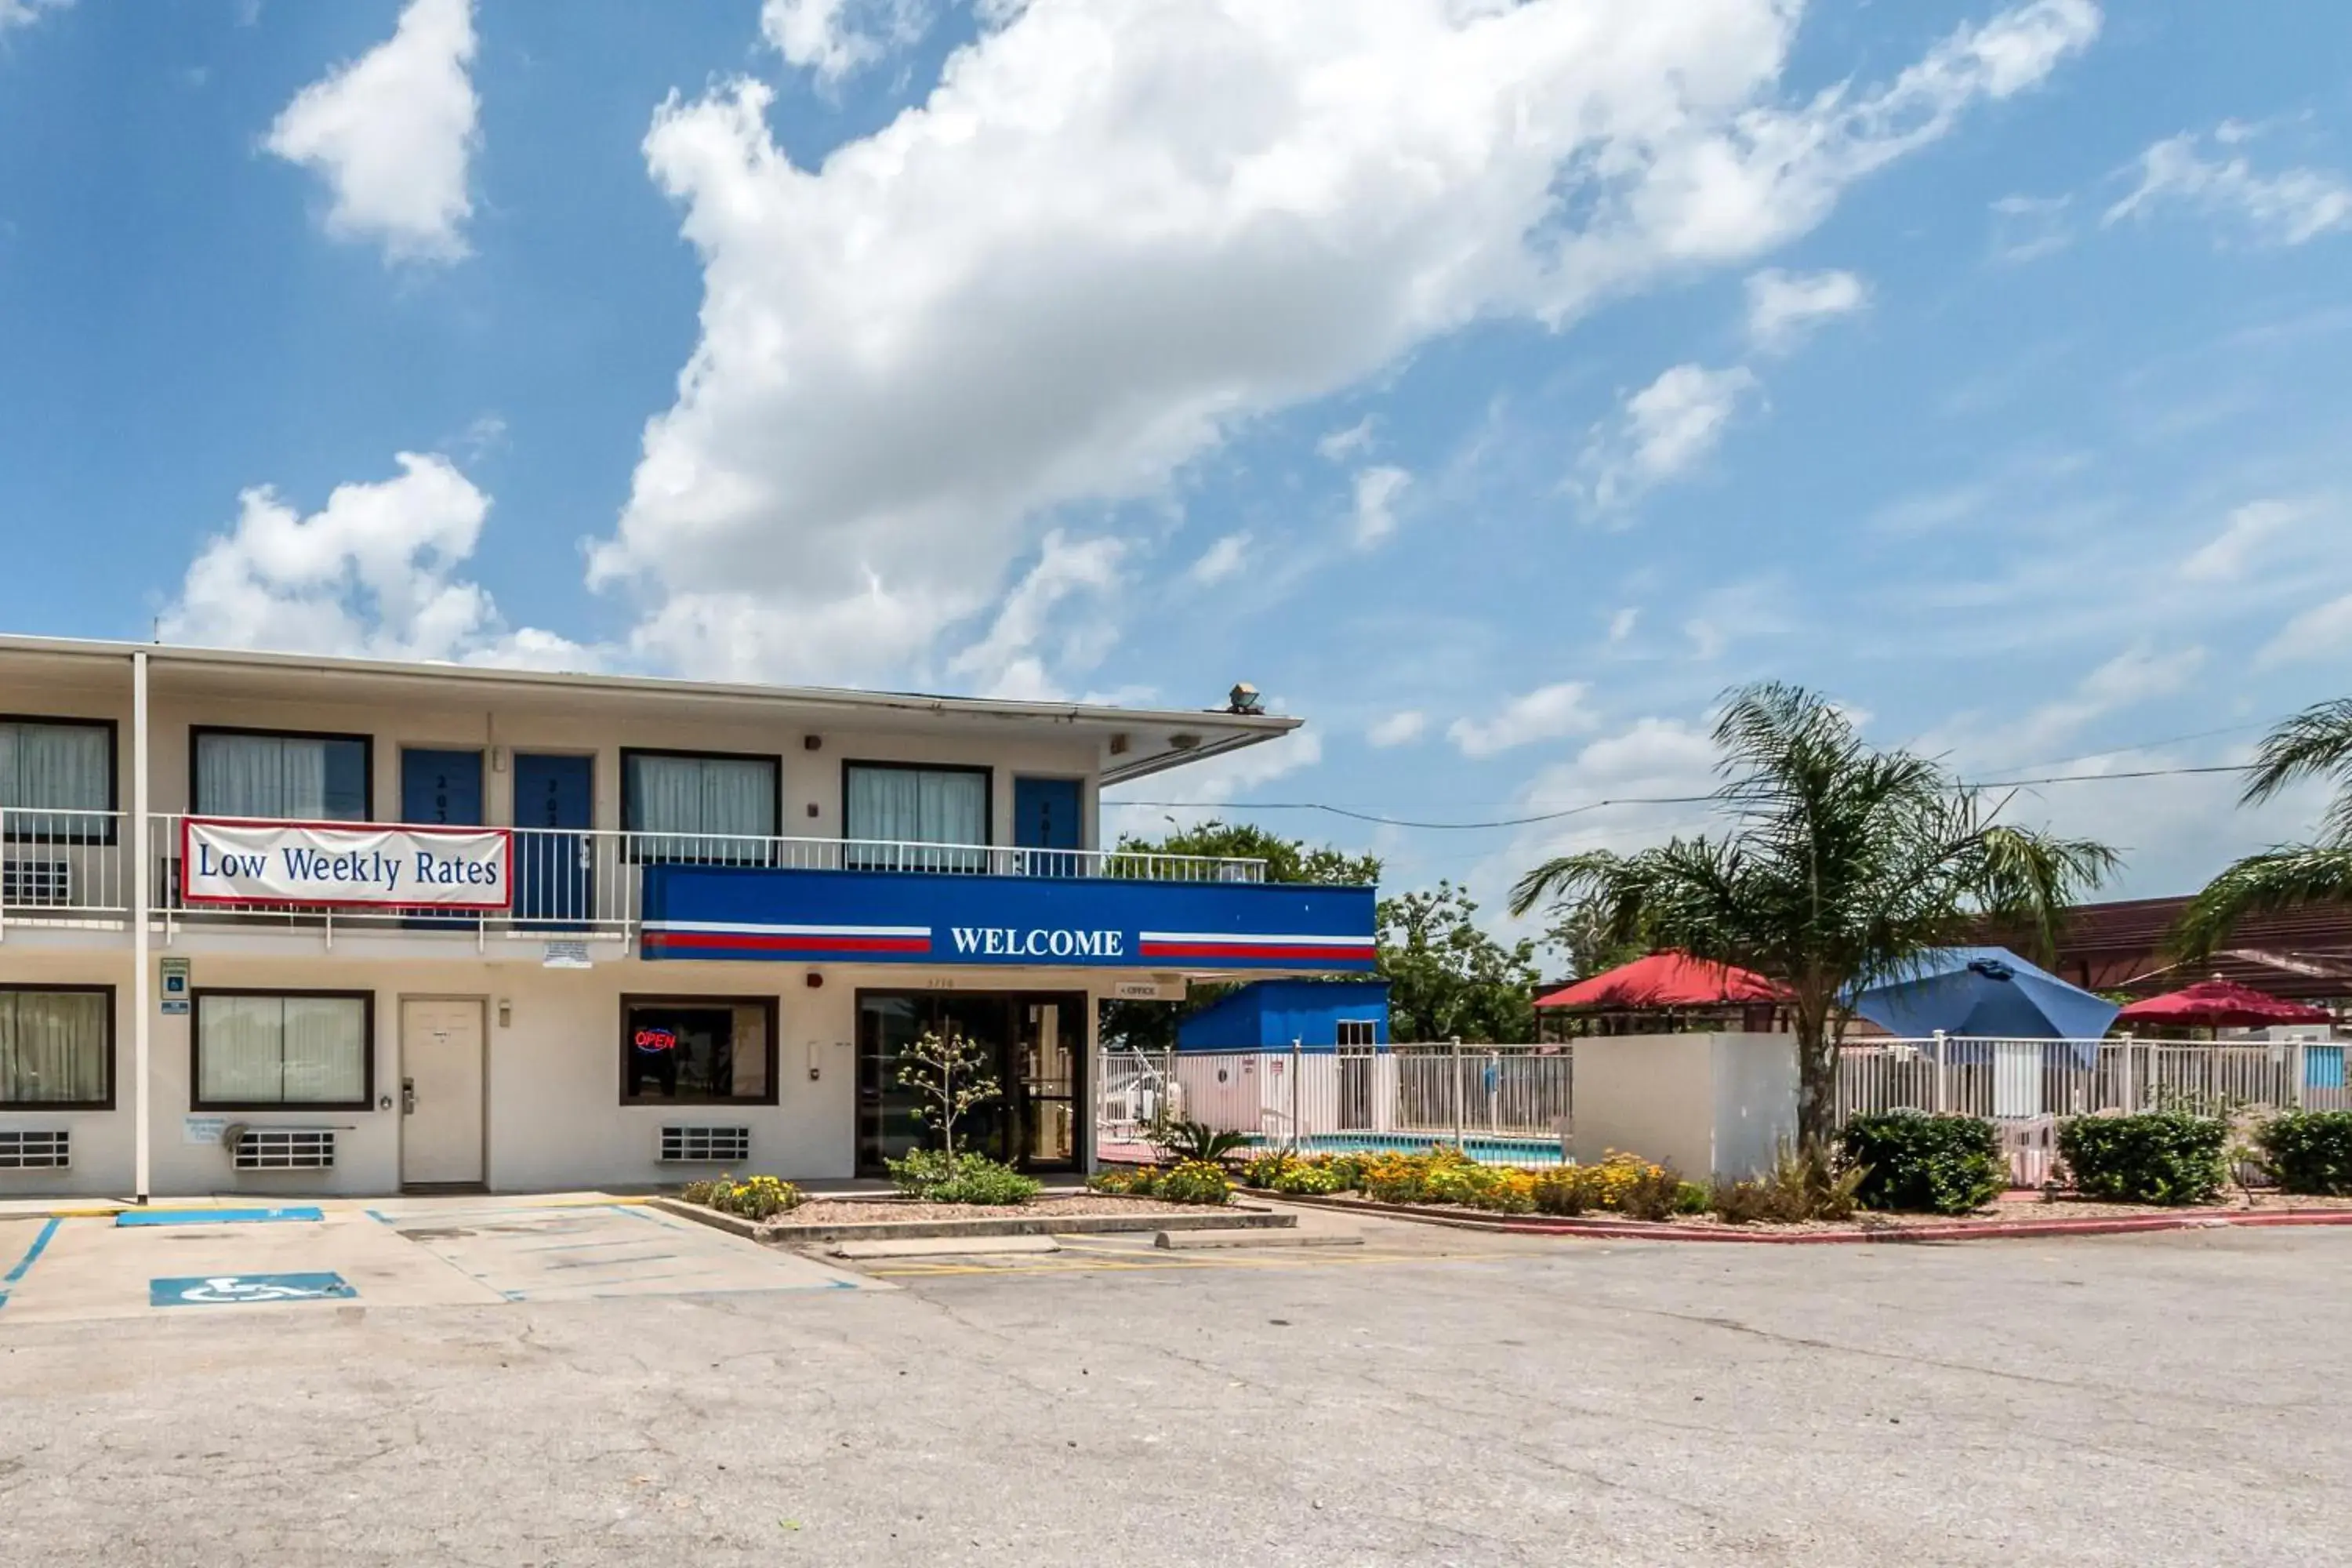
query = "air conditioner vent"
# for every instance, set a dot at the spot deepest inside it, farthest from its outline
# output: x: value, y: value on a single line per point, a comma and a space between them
x: 49, y: 1149
x: 705, y: 1145
x: 284, y: 1149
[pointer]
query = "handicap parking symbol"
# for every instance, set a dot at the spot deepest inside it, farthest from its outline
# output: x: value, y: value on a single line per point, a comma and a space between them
x: 242, y: 1290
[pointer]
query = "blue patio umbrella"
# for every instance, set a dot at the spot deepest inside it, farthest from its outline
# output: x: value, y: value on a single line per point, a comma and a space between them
x: 1982, y: 992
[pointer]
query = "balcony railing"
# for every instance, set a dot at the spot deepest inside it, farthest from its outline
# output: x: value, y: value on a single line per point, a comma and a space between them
x: 64, y: 868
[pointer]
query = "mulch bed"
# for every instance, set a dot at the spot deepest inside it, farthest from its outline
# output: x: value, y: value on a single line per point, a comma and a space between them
x: 873, y: 1211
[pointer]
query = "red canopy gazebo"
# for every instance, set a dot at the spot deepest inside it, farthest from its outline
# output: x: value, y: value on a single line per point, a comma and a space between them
x: 2221, y: 1005
x: 1669, y: 983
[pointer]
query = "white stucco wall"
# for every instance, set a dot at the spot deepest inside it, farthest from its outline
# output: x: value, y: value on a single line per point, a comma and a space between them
x: 555, y: 1120
x: 1706, y: 1104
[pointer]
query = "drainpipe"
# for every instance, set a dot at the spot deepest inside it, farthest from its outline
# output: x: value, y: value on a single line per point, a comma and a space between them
x: 142, y: 1005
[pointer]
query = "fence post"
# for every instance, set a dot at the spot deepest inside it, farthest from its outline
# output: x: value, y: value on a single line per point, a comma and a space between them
x: 1461, y: 1092
x: 2295, y: 1068
x: 1295, y: 1075
x: 1167, y: 1083
x: 2127, y: 1091
x: 1940, y: 1099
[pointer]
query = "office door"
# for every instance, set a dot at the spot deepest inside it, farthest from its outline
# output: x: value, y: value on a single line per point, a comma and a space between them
x: 555, y: 804
x: 1047, y: 816
x: 441, y: 1077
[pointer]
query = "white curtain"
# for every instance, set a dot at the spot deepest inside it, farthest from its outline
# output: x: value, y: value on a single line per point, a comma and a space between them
x: 289, y: 1050
x: 53, y: 1047
x: 714, y: 797
x: 61, y: 766
x: 281, y: 776
x: 917, y: 805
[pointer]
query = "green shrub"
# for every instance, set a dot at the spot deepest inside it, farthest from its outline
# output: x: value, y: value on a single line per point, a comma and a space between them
x: 1690, y: 1198
x: 940, y: 1178
x: 1562, y: 1189
x: 1803, y: 1185
x: 2309, y: 1151
x: 1265, y: 1168
x: 1188, y: 1141
x: 1920, y: 1164
x: 2156, y: 1157
x: 1130, y: 1180
x: 1195, y: 1181
x: 704, y: 1192
x: 1309, y: 1178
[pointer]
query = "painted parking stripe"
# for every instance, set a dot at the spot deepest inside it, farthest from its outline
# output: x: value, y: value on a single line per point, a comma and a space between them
x: 219, y: 1217
x: 25, y: 1264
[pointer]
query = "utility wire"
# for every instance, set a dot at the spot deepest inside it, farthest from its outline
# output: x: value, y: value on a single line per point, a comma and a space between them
x: 1641, y: 800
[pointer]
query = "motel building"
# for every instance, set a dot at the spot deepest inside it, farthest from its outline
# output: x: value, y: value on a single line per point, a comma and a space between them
x: 275, y: 925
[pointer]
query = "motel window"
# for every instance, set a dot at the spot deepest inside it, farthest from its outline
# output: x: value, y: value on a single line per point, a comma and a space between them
x: 56, y: 1047
x: 282, y: 777
x: 723, y: 810
x: 891, y: 813
x: 52, y: 771
x: 261, y: 1050
x: 1357, y: 1032
x: 697, y: 1050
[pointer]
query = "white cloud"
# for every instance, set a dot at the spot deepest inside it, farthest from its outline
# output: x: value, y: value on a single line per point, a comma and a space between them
x: 2227, y: 555
x: 1115, y: 229
x: 2028, y: 227
x: 2141, y: 673
x: 1341, y: 445
x: 835, y: 38
x: 392, y: 133
x: 1221, y: 560
x: 1621, y: 624
x: 1783, y: 306
x: 1398, y: 728
x: 1377, y: 490
x: 2286, y: 209
x: 24, y: 12
x: 1661, y: 431
x: 1544, y: 714
x: 1221, y: 779
x: 1011, y: 660
x: 372, y: 573
x: 2324, y: 631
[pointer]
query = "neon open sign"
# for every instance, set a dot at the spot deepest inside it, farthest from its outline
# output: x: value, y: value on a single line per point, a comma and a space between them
x: 656, y: 1039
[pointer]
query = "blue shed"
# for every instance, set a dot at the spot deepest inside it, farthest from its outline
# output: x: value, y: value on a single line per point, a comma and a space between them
x: 1268, y: 1015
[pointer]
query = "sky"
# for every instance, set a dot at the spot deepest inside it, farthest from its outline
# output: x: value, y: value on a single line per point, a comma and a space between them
x: 1494, y: 383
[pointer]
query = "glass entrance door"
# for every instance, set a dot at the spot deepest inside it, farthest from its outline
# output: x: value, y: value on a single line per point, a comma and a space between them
x: 1035, y: 1048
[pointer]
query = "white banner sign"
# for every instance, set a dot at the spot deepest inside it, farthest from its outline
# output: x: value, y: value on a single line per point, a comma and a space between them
x: 321, y: 863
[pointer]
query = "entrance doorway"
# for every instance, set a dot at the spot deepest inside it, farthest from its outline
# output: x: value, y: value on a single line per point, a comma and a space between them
x: 441, y: 1093
x: 1034, y: 1045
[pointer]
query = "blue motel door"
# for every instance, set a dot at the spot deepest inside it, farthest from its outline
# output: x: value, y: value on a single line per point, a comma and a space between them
x: 1045, y: 817
x: 555, y: 802
x: 443, y: 789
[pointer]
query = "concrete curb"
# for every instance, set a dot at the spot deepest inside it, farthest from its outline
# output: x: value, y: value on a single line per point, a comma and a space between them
x: 1638, y: 1230
x: 991, y: 1225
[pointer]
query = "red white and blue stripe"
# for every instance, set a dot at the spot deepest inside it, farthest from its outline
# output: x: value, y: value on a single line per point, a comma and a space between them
x: 719, y: 939
x: 1236, y: 948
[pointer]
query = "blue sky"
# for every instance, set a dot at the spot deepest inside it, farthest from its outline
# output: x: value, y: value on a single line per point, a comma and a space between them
x: 1492, y: 384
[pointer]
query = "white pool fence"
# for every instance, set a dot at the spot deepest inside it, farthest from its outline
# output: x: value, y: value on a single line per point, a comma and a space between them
x: 1515, y: 1104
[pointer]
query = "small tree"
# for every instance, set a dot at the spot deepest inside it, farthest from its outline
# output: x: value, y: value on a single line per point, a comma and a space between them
x: 2315, y: 743
x: 952, y: 1074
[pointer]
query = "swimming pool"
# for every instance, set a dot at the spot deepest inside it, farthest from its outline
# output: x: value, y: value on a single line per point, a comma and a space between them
x: 1486, y: 1151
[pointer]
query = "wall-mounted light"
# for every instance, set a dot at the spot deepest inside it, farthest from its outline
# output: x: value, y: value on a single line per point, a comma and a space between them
x: 815, y: 980
x: 506, y: 1013
x: 812, y: 742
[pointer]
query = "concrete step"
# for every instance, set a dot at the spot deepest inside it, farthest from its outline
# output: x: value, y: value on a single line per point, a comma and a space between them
x: 1203, y: 1240
x: 943, y: 1246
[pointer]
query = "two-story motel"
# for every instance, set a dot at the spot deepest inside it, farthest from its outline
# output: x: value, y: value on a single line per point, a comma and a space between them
x: 271, y: 924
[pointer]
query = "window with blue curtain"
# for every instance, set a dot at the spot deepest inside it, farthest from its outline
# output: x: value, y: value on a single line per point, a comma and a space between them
x: 895, y: 817
x: 57, y: 781
x: 286, y: 778
x: 700, y: 809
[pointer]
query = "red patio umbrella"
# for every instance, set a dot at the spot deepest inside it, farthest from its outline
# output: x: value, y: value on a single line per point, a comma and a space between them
x: 1662, y: 981
x: 2221, y: 1005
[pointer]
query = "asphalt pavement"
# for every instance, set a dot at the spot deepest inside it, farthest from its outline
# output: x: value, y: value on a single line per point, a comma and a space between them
x: 1430, y: 1397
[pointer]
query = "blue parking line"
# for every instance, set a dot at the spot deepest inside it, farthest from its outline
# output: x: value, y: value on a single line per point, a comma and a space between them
x: 25, y: 1264
x: 217, y: 1217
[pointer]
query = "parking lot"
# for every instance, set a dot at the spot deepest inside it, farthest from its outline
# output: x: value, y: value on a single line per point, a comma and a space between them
x: 1431, y: 1396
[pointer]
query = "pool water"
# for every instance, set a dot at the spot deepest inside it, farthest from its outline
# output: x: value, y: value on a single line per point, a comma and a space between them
x: 1486, y: 1151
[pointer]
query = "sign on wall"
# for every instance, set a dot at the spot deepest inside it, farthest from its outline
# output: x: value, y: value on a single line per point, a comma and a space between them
x: 224, y: 862
x: 872, y: 917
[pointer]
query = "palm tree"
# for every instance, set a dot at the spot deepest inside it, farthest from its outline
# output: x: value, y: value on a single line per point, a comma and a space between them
x: 1842, y: 865
x: 2314, y: 743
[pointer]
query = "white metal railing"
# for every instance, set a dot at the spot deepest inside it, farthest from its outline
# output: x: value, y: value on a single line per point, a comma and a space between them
x: 63, y: 867
x: 2026, y: 1087
x: 1504, y: 1104
x: 74, y: 868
